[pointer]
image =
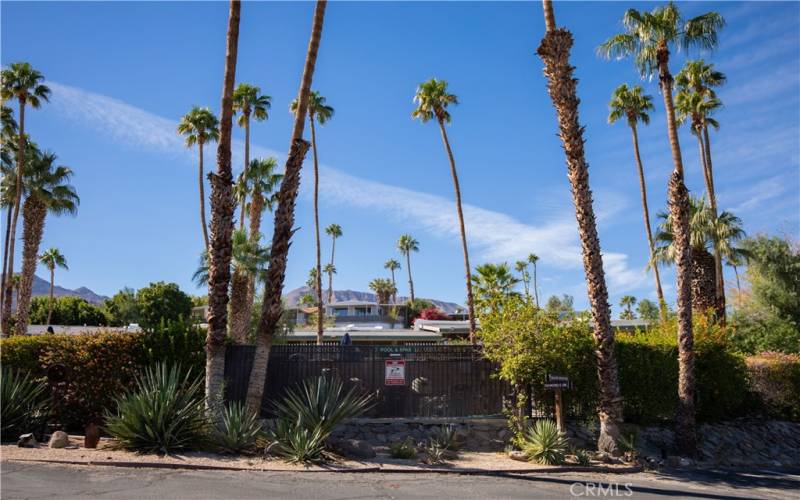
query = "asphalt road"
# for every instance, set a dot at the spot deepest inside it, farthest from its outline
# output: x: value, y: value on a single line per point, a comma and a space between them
x: 41, y: 481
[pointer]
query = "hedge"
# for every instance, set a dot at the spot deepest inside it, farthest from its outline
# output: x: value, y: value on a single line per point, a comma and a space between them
x: 775, y: 377
x: 100, y: 366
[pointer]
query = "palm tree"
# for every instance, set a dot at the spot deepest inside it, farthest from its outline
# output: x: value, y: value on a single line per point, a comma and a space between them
x: 627, y: 302
x: 562, y: 86
x: 392, y: 265
x: 52, y: 258
x: 384, y: 289
x: 249, y: 102
x: 433, y: 99
x: 322, y: 112
x: 633, y: 105
x: 272, y: 307
x: 222, y: 208
x: 697, y: 100
x: 521, y: 266
x: 21, y: 82
x: 533, y: 259
x: 200, y: 126
x: 259, y: 184
x: 493, y: 283
x: 334, y: 231
x: 407, y: 244
x: 647, y: 38
x: 8, y: 193
x: 249, y: 261
x: 48, y: 191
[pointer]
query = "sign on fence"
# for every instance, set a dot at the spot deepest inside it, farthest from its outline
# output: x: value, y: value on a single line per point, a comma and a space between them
x: 395, y: 372
x: 557, y: 382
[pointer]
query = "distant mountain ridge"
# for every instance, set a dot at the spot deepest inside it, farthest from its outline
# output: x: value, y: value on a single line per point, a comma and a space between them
x: 293, y: 297
x: 42, y: 287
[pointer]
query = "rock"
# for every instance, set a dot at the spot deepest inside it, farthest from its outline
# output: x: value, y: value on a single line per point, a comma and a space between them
x: 517, y: 455
x: 27, y: 441
x: 675, y: 461
x: 354, y: 448
x: 59, y: 439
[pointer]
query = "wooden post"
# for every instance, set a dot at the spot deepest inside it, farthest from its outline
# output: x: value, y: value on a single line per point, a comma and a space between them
x: 559, y: 412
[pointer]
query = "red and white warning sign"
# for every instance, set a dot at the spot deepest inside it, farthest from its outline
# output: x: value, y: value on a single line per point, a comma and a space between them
x: 395, y: 372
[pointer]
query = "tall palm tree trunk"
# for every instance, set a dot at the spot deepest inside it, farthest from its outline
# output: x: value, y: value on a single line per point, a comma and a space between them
x: 239, y: 312
x: 678, y: 200
x: 535, y: 286
x: 330, y: 272
x: 394, y: 285
x: 222, y: 207
x: 468, y: 275
x: 318, y: 277
x: 256, y: 208
x: 8, y: 295
x: 5, y: 273
x: 662, y: 304
x: 34, y: 213
x: 712, y: 199
x: 410, y: 281
x: 562, y: 86
x: 271, y: 308
x: 52, y: 286
x: 202, y: 196
x: 246, y: 166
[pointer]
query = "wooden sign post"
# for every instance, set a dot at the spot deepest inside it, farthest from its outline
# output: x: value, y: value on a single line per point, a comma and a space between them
x: 558, y: 383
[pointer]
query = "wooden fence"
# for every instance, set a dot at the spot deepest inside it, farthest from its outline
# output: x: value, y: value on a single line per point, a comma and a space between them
x: 407, y: 381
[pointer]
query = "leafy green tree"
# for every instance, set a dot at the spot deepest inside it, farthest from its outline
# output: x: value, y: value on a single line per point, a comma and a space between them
x: 627, y: 302
x: 66, y: 311
x: 647, y: 38
x: 162, y: 301
x: 774, y: 275
x: 52, y: 258
x: 21, y: 82
x: 122, y: 309
x: 647, y: 310
x: 249, y: 102
x: 562, y: 306
x: 433, y: 99
x: 48, y: 192
x: 200, y: 126
x: 633, y: 105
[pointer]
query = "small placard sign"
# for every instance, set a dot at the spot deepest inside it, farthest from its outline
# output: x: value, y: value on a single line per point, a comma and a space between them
x: 395, y: 373
x: 557, y: 382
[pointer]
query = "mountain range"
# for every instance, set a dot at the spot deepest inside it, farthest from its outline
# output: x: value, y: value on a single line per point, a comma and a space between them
x: 42, y: 287
x: 293, y: 297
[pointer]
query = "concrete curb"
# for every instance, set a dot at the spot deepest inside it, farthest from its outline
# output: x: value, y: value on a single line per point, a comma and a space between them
x: 157, y: 465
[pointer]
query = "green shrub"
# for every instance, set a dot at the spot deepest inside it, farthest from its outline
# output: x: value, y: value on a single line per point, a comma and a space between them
x: 238, y: 429
x: 582, y: 457
x: 101, y: 365
x: 775, y: 379
x: 164, y: 413
x: 403, y: 449
x: 309, y: 412
x: 24, y: 406
x: 67, y: 310
x: 543, y: 443
x: 160, y: 302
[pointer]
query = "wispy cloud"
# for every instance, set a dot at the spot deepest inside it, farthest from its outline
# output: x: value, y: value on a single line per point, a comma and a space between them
x: 496, y: 236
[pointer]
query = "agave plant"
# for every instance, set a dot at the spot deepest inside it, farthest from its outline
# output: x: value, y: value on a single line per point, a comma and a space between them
x: 544, y: 443
x: 24, y: 406
x: 445, y: 437
x: 163, y: 413
x: 308, y: 414
x: 238, y: 429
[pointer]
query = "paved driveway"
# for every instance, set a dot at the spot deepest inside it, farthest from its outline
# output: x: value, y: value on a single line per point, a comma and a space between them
x: 41, y: 481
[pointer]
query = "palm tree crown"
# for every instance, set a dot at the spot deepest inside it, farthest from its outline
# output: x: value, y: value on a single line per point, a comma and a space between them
x: 52, y: 258
x: 20, y: 81
x: 432, y: 100
x: 646, y: 32
x: 407, y: 244
x: 317, y: 107
x: 334, y: 230
x: 391, y: 265
x: 699, y: 76
x: 49, y: 184
x: 199, y: 126
x: 249, y: 102
x: 630, y: 103
x: 260, y: 178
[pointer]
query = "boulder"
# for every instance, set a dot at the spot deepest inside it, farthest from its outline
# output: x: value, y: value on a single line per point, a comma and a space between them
x: 354, y: 448
x: 59, y: 439
x: 27, y: 441
x: 517, y: 455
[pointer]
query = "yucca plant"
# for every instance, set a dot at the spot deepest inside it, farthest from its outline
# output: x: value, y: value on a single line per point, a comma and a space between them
x: 583, y: 457
x: 544, y: 443
x: 237, y: 430
x: 434, y: 454
x: 163, y: 413
x: 308, y: 414
x: 24, y: 405
x: 445, y: 437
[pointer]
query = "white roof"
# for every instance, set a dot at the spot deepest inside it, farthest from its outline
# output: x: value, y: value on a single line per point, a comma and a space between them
x: 352, y: 303
x: 441, y: 326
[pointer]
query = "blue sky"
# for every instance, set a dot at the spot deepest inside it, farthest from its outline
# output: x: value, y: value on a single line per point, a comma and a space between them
x: 124, y: 73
